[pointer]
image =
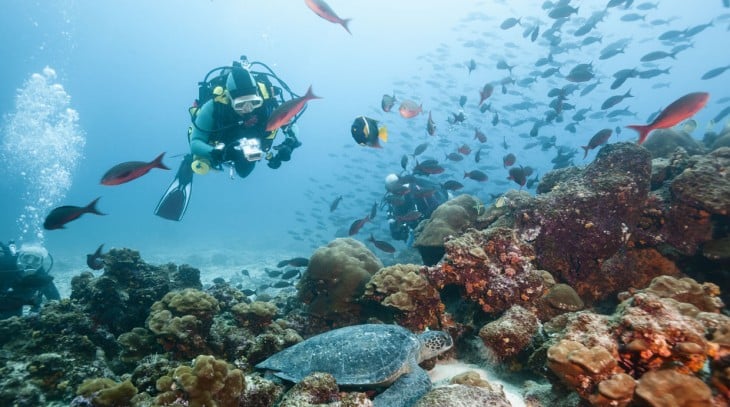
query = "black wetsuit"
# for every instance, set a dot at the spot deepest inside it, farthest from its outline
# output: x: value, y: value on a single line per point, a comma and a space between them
x: 423, y: 196
x: 19, y: 288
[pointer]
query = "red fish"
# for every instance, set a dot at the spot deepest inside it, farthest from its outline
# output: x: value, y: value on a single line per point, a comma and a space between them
x: 284, y: 113
x: 682, y: 108
x: 323, y: 10
x: 464, y: 149
x: 509, y: 160
x: 127, y: 171
x: 357, y: 225
x: 65, y: 214
x: 409, y: 109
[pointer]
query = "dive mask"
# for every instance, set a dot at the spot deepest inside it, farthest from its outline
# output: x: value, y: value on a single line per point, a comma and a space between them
x: 31, y: 259
x: 246, y: 103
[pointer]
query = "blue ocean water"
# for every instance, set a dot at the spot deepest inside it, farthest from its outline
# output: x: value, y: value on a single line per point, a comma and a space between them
x: 89, y: 84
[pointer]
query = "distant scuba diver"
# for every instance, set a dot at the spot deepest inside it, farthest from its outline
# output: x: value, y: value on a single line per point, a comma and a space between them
x: 24, y: 278
x: 410, y: 200
x: 229, y: 127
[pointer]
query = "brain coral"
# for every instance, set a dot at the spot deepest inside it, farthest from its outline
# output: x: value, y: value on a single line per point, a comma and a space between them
x: 336, y: 277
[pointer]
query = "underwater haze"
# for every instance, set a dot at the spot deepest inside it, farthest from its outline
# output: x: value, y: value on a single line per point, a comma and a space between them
x: 90, y: 84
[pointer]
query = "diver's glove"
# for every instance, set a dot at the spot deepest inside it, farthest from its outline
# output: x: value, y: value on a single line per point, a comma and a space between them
x: 216, y: 155
x: 284, y: 150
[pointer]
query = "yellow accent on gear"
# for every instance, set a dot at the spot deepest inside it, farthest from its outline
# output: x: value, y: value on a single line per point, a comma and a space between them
x: 263, y: 90
x: 220, y: 95
x: 200, y: 165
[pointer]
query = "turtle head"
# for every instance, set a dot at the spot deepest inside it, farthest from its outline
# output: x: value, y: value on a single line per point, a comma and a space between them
x: 434, y: 343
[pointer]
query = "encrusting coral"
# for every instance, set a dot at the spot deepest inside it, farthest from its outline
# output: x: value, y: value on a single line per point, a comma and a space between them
x: 401, y: 287
x: 207, y: 383
x: 181, y: 320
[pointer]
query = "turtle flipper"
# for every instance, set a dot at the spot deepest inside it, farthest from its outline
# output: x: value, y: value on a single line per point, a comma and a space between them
x: 405, y: 391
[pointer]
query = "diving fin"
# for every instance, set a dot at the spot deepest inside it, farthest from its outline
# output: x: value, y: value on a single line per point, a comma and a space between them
x: 174, y: 202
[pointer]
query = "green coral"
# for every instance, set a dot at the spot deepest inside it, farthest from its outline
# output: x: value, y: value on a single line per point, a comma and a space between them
x: 336, y: 277
x: 105, y: 392
x: 207, y: 383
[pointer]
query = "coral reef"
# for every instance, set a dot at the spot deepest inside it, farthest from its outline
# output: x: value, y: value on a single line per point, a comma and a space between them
x: 671, y: 388
x: 459, y: 395
x: 493, y: 267
x: 511, y: 334
x: 181, y: 321
x: 586, y: 218
x: 664, y: 142
x: 449, y: 219
x: 121, y: 296
x: 317, y: 389
x: 336, y: 278
x: 653, y: 329
x: 207, y: 383
x: 401, y: 287
x: 106, y: 392
x: 255, y: 315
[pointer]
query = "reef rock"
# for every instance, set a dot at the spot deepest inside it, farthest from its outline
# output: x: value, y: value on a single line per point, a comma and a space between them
x: 459, y: 395
x: 449, y: 219
x: 493, y: 267
x: 403, y: 288
x: 663, y: 142
x: 511, y: 334
x: 587, y: 217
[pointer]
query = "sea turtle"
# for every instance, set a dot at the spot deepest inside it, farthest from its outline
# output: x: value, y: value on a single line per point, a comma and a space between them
x: 370, y: 355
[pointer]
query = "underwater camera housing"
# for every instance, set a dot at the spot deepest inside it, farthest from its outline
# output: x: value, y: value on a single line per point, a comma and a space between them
x: 251, y: 148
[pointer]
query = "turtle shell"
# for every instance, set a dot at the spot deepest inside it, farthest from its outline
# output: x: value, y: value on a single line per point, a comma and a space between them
x: 359, y: 355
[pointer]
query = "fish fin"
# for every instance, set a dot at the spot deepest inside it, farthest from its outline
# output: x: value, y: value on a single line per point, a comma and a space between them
x: 157, y: 162
x: 98, y: 251
x: 344, y: 24
x: 643, y: 131
x: 586, y: 148
x: 174, y: 202
x: 91, y: 208
x: 310, y: 94
x: 383, y: 133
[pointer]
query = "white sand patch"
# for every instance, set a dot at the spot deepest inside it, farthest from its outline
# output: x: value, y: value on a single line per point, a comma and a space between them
x: 444, y: 371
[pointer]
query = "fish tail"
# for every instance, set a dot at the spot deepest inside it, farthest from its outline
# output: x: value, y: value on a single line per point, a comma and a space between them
x: 383, y: 133
x: 91, y: 208
x: 157, y: 162
x: 643, y: 131
x: 586, y: 148
x: 344, y: 24
x: 310, y: 95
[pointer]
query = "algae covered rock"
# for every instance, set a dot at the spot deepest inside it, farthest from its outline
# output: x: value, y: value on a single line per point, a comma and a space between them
x: 105, y: 392
x: 511, y: 334
x: 449, y: 219
x: 663, y: 142
x: 336, y: 277
x: 587, y: 217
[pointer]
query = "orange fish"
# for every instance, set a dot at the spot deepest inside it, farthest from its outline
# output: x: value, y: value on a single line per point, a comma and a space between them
x: 323, y: 10
x: 284, y: 113
x: 682, y: 108
x: 409, y: 109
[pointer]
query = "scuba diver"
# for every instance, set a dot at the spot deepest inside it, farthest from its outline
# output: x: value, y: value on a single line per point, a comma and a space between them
x: 24, y: 278
x: 410, y: 200
x: 229, y: 128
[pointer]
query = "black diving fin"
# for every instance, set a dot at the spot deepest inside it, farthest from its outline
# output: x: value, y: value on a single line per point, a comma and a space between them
x: 174, y: 202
